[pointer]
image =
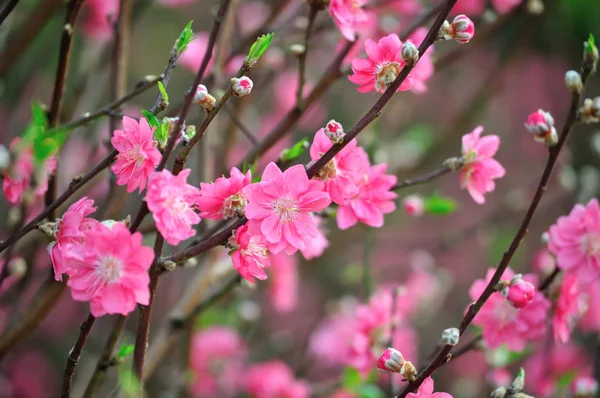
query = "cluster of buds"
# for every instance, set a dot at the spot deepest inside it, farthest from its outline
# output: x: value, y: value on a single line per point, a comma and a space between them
x: 392, y: 361
x: 413, y: 205
x: 518, y: 292
x: 409, y: 53
x: 462, y: 29
x: 541, y: 124
x: 241, y: 86
x: 584, y: 387
x: 590, y: 111
x: 334, y: 131
x: 514, y: 390
x: 451, y: 336
x: 202, y: 97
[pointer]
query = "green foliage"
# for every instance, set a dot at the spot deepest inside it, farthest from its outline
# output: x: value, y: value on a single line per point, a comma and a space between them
x: 45, y: 143
x: 125, y: 351
x: 353, y: 382
x: 590, y: 44
x: 162, y: 129
x: 260, y: 46
x: 224, y: 316
x: 296, y: 150
x: 351, y: 379
x: 163, y: 91
x: 369, y: 391
x: 185, y: 38
x: 439, y: 205
x: 129, y: 383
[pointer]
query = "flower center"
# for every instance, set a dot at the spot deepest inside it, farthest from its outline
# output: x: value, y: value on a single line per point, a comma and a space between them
x: 591, y: 244
x: 109, y: 269
x: 233, y: 204
x: 134, y: 155
x: 386, y: 74
x: 286, y: 208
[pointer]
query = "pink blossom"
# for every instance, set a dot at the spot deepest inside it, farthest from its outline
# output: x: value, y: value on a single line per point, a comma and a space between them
x: 590, y: 321
x: 98, y: 18
x: 224, y: 197
x: 172, y: 203
x: 339, y: 173
x: 382, y: 66
x: 332, y: 339
x: 502, y: 323
x: 426, y: 391
x: 283, y: 290
x: 251, y: 254
x: 480, y: 169
x: 70, y: 230
x: 423, y: 70
x: 348, y: 15
x: 110, y: 270
x: 274, y: 379
x: 217, y: 357
x: 281, y: 202
x: 138, y: 155
x: 570, y: 305
x: 575, y: 241
x: 316, y: 246
x: 373, y: 200
x: 192, y: 57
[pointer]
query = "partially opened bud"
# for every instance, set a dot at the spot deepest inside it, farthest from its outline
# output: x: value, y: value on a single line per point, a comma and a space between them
x: 463, y: 29
x: 390, y: 361
x: 409, y: 53
x: 202, y: 97
x: 590, y: 110
x: 242, y: 86
x: 519, y: 292
x: 413, y: 205
x: 334, y: 131
x: 584, y: 387
x: 451, y: 336
x: 541, y: 124
x: 408, y: 371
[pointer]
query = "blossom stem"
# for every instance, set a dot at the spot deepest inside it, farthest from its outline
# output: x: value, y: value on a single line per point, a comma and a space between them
x: 74, y: 355
x: 444, y: 353
x: 8, y: 8
x: 314, y: 7
x: 549, y: 279
x: 422, y: 179
x: 247, y: 133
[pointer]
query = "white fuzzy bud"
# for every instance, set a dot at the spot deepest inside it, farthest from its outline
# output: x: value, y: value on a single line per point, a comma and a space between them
x: 573, y: 81
x: 410, y: 53
x: 451, y: 336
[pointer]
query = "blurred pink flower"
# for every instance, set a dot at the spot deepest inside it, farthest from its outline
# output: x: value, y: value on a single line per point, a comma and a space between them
x: 413, y: 205
x: 348, y: 15
x: 316, y: 246
x: 339, y: 173
x: 426, y: 391
x: 480, y: 169
x: 382, y: 66
x: 192, y: 57
x: 543, y: 262
x: 575, y: 241
x: 98, y: 15
x: 175, y: 3
x: 283, y: 290
x: 251, y: 254
x: 473, y: 8
x: 285, y: 94
x: 224, y: 197
x: 570, y: 305
x: 549, y: 366
x: 505, y: 6
x: 70, y: 229
x: 251, y: 15
x: 373, y: 200
x: 20, y: 382
x: 332, y: 338
x: 110, y: 270
x: 217, y: 358
x: 137, y: 156
x: 502, y: 323
x: 172, y: 203
x: 499, y: 377
x: 274, y: 379
x: 281, y: 202
x: 590, y: 321
x: 584, y: 387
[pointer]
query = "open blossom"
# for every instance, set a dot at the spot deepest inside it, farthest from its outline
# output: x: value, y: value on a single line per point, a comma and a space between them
x: 382, y: 66
x: 316, y: 246
x: 480, y: 170
x: 217, y: 357
x: 137, y: 153
x: 172, y: 203
x: 426, y: 391
x: 274, y: 379
x: 251, y: 255
x: 224, y: 197
x: 575, y: 241
x: 110, y: 270
x: 373, y: 200
x: 502, y: 323
x: 281, y: 203
x: 69, y: 230
x: 570, y: 305
x: 339, y: 173
x: 348, y: 15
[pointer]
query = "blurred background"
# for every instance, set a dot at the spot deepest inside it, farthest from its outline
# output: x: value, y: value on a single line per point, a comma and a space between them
x: 514, y: 66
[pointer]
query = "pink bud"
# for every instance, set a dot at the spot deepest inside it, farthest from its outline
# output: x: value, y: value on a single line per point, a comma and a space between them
x: 413, y: 205
x: 584, y: 387
x: 202, y: 97
x: 242, y: 86
x: 390, y: 361
x: 519, y: 292
x: 334, y: 131
x: 541, y: 124
x: 463, y: 29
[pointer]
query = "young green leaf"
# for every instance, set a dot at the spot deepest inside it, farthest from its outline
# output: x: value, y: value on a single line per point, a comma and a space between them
x: 163, y: 92
x: 351, y: 379
x: 125, y: 351
x: 185, y: 38
x: 369, y: 391
x: 260, y: 46
x: 440, y: 205
x: 296, y: 150
x: 43, y: 148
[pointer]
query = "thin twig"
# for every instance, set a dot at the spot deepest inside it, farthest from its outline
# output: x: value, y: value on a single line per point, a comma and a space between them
x: 74, y: 355
x: 8, y: 8
x: 468, y: 346
x: 422, y: 179
x: 314, y: 7
x: 247, y: 133
x: 393, y: 327
x: 545, y: 284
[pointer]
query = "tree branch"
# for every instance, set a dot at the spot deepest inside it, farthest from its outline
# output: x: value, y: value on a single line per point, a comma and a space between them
x: 8, y: 8
x: 74, y: 355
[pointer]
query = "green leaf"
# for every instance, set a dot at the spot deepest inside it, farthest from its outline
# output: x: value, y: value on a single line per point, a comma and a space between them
x: 43, y: 148
x: 129, y: 383
x: 125, y: 350
x: 369, y: 391
x: 296, y: 150
x: 566, y: 379
x: 440, y: 205
x: 185, y: 38
x: 163, y: 91
x: 38, y: 115
x: 591, y: 42
x: 260, y: 46
x: 152, y: 120
x: 351, y: 379
x: 162, y: 129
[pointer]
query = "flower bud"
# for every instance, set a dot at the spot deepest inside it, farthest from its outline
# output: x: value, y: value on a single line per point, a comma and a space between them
x: 541, y: 124
x: 4, y: 158
x: 445, y: 32
x: 334, y: 131
x: 463, y: 29
x: 202, y: 97
x: 584, y: 387
x: 242, y: 86
x: 499, y: 392
x: 413, y: 206
x: 519, y: 382
x: 391, y: 361
x: 573, y: 81
x: 409, y: 53
x: 169, y: 265
x: 590, y: 54
x: 408, y: 371
x: 517, y: 291
x: 297, y: 49
x: 590, y: 111
x: 188, y: 133
x: 451, y: 336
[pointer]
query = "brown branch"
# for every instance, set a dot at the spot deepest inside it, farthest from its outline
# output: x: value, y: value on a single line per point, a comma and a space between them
x: 422, y: 179
x: 120, y: 55
x: 445, y: 353
x: 314, y: 7
x: 238, y: 123
x: 74, y: 355
x: 8, y: 8
x: 545, y: 284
